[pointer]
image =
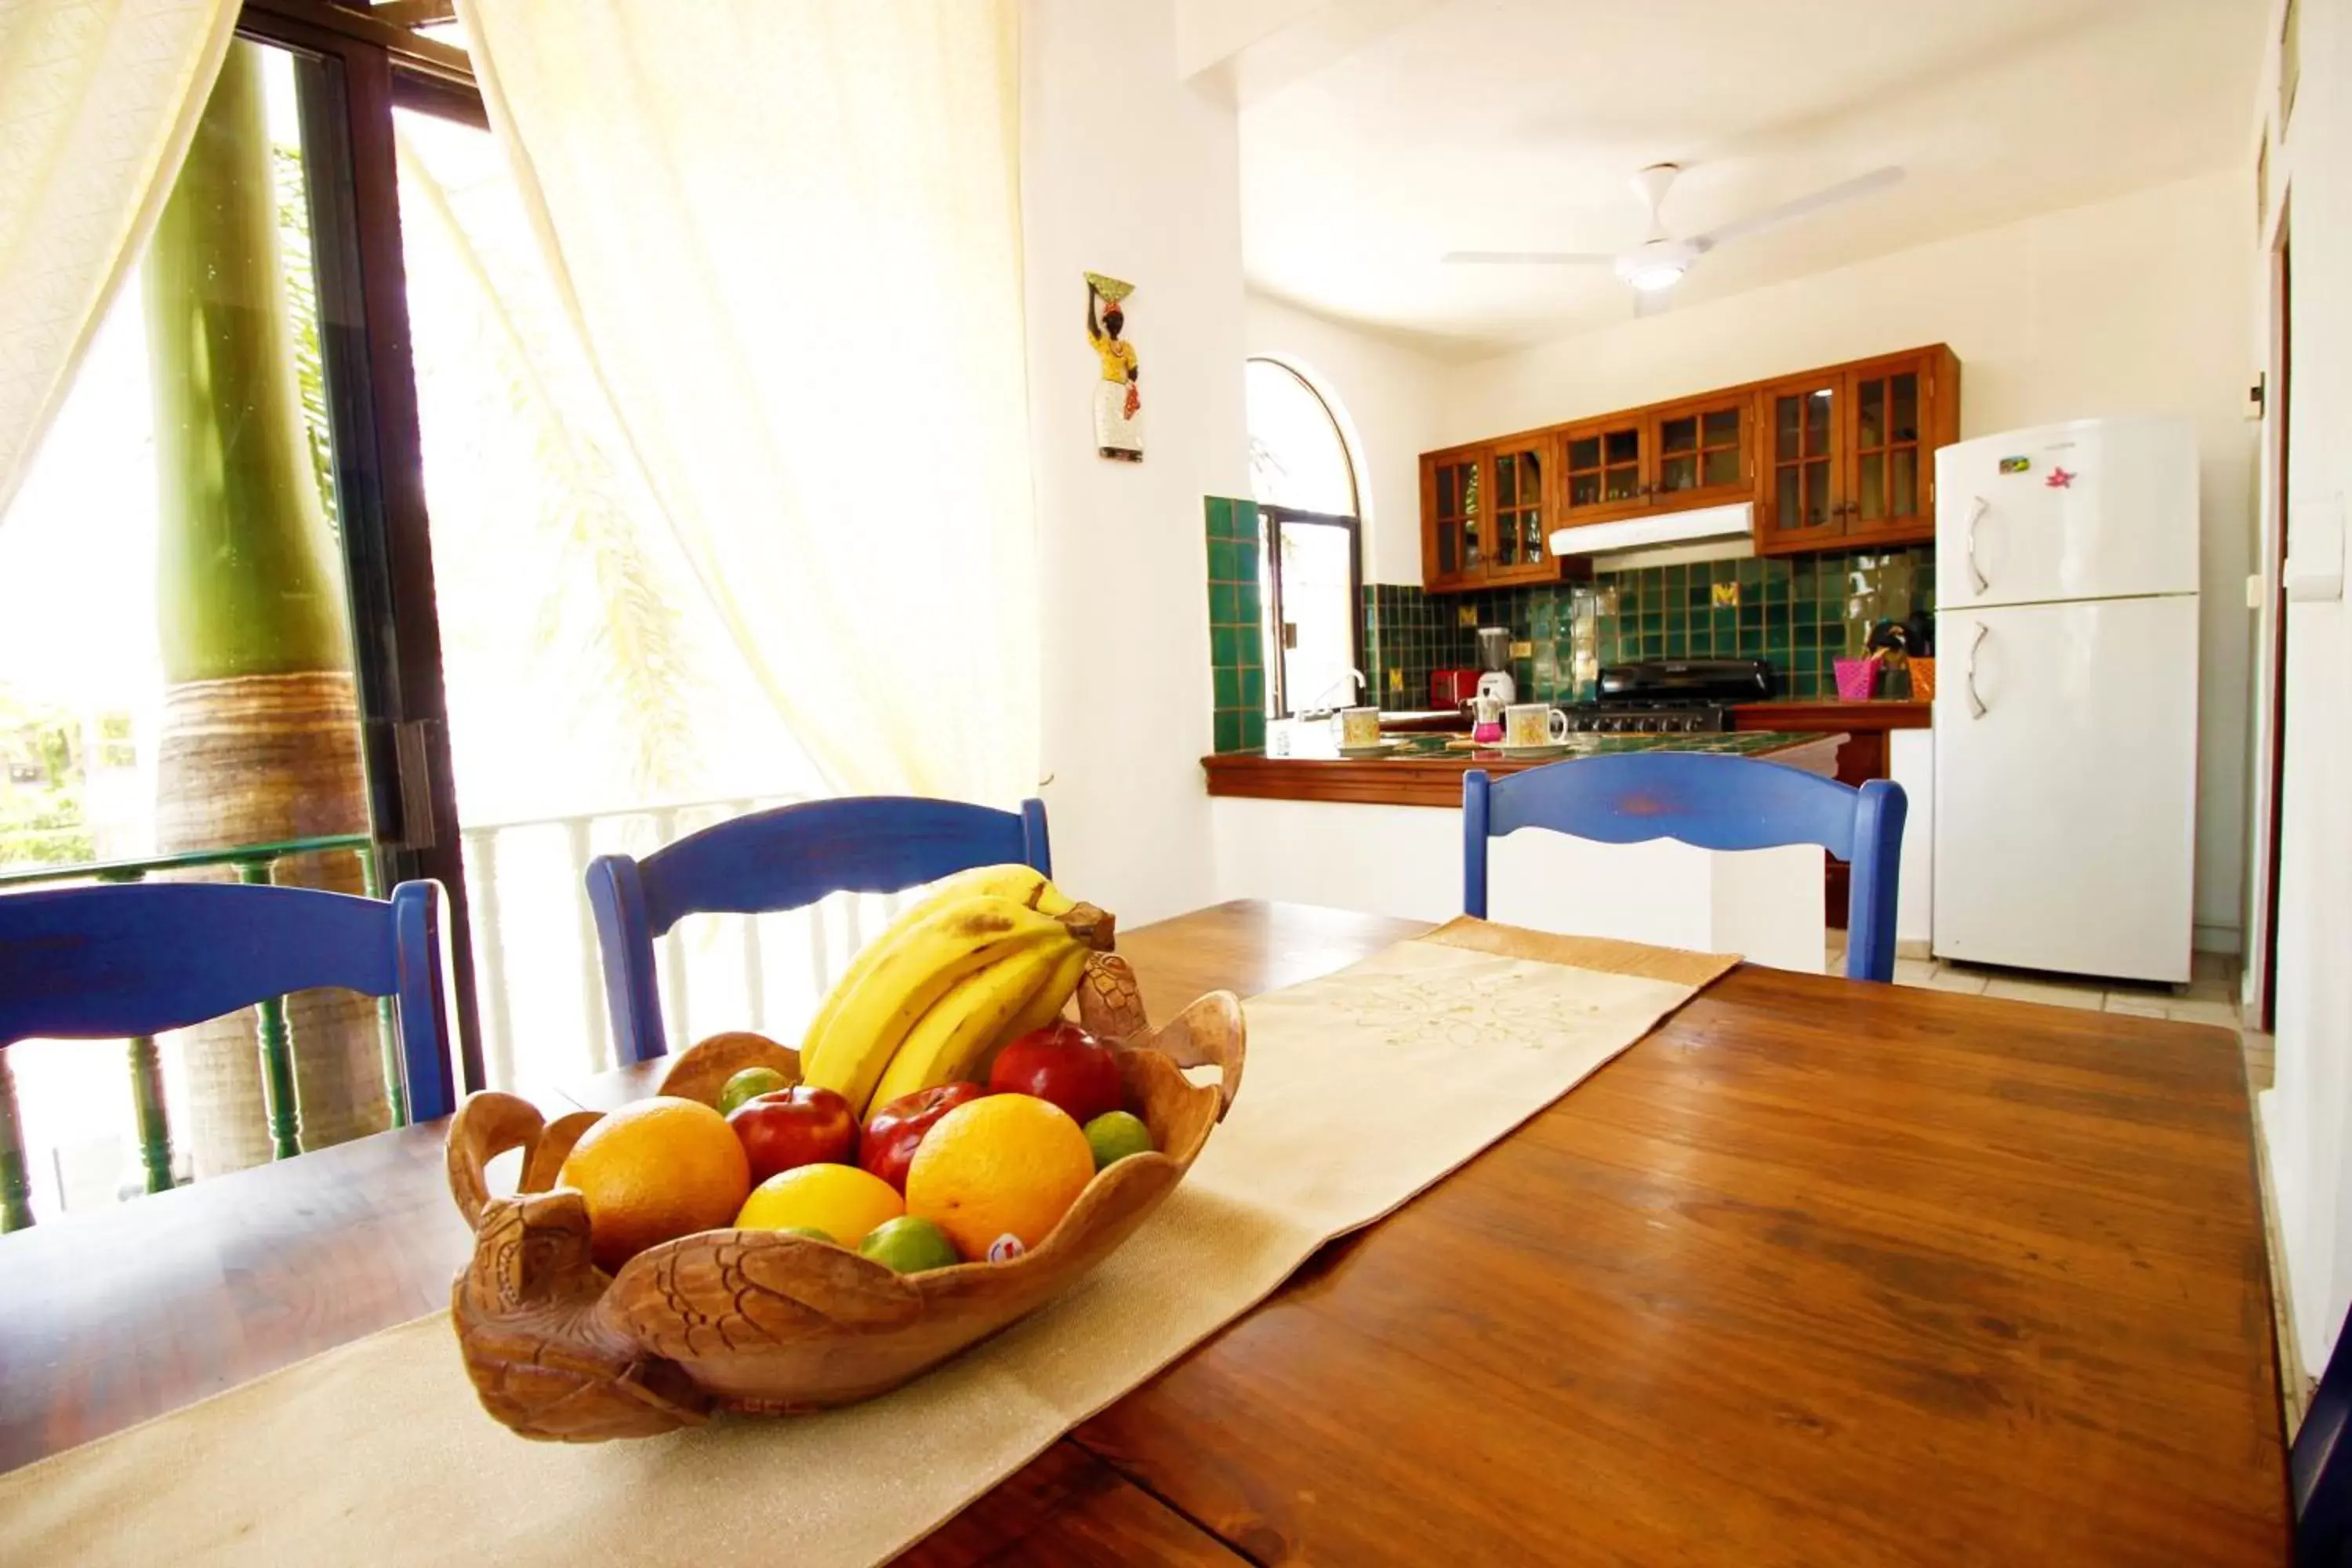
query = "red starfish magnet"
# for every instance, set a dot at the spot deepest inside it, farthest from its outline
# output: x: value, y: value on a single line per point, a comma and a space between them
x: 2059, y: 480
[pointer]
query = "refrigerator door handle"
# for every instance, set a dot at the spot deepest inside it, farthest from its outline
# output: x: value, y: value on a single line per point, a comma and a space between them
x: 1968, y: 679
x: 1975, y: 515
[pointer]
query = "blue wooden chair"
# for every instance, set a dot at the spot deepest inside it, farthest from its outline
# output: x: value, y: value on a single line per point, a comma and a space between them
x: 1713, y: 802
x: 128, y: 962
x: 780, y: 859
x: 2319, y: 1468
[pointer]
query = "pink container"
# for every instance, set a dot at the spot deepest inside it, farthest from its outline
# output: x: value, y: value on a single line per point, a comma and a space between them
x: 1857, y: 678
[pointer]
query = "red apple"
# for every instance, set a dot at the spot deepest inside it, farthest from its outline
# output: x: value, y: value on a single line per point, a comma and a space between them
x: 893, y: 1132
x: 1065, y: 1065
x: 802, y: 1125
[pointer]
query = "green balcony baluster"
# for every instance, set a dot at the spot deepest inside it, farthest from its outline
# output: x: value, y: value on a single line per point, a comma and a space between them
x: 147, y: 1083
x: 16, y: 1192
x: 276, y: 1051
x: 154, y: 1128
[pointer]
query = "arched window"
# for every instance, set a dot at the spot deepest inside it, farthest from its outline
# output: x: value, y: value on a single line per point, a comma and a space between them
x: 1309, y: 542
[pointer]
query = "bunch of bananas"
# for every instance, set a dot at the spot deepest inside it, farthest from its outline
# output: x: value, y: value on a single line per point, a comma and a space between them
x: 991, y: 954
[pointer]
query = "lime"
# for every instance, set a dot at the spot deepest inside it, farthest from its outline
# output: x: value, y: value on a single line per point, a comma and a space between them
x: 751, y: 1081
x: 1116, y: 1134
x: 909, y: 1244
x: 808, y: 1230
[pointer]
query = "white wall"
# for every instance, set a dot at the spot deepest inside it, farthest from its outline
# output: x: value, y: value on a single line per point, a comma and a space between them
x: 2307, y: 1114
x: 1128, y: 170
x: 1406, y: 860
x: 1386, y: 399
x: 2134, y: 305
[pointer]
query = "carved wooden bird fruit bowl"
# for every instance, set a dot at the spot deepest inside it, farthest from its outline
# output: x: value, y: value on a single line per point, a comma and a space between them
x: 764, y: 1321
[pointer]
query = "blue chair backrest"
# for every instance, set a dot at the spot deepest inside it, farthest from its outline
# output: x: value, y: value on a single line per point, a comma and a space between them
x: 108, y: 962
x: 1713, y: 802
x: 780, y: 859
x: 2320, y: 1466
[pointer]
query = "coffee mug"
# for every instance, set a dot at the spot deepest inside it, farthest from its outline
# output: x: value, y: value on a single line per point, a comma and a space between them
x: 1534, y: 724
x: 1360, y: 727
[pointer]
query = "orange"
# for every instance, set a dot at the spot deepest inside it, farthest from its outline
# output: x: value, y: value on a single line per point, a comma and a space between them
x: 842, y: 1201
x: 654, y: 1169
x: 1008, y: 1166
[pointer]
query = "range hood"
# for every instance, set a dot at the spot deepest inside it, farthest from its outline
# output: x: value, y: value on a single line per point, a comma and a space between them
x: 1721, y: 527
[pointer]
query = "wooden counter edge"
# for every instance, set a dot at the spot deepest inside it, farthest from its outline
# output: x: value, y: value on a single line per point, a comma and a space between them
x: 1389, y: 781
x: 1827, y: 713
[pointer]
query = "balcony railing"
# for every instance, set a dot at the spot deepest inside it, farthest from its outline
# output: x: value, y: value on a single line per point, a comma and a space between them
x: 539, y: 977
x: 252, y: 863
x: 526, y: 879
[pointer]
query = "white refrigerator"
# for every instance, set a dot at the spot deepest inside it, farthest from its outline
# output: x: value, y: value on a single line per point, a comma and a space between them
x: 2066, y: 708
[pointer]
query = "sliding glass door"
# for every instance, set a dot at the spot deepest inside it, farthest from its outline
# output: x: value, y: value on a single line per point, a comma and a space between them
x: 219, y: 647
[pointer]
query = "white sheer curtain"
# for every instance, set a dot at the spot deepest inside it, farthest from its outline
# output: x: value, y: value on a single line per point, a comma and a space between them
x: 98, y: 100
x: 788, y: 232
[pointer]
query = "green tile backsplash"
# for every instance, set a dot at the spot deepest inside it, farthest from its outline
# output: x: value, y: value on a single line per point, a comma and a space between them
x: 1800, y: 612
x: 1236, y: 645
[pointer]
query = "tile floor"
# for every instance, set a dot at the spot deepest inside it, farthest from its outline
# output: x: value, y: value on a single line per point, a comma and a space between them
x: 2210, y: 997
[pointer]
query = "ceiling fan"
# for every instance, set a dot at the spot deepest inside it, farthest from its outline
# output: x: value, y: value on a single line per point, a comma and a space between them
x: 1658, y: 263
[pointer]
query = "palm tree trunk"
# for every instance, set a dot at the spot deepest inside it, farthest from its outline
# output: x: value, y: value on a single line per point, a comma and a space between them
x: 260, y: 738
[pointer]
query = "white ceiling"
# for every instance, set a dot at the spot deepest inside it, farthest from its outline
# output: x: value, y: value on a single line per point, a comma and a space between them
x: 1514, y: 124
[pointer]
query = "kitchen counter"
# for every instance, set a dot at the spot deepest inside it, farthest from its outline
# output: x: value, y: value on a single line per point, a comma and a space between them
x: 1424, y: 770
x: 1829, y: 713
x: 1777, y: 713
x: 1385, y: 834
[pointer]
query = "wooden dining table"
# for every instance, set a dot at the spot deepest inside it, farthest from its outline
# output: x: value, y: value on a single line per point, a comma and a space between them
x: 1817, y: 1272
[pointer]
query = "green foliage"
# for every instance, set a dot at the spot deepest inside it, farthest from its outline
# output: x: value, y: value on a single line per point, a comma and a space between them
x: 302, y: 307
x: 44, y: 828
x: 42, y: 820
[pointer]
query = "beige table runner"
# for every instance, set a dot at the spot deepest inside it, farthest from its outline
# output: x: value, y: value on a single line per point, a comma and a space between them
x: 376, y: 1452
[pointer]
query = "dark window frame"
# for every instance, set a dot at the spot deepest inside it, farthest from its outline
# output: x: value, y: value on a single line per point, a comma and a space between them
x: 1271, y: 520
x: 371, y: 381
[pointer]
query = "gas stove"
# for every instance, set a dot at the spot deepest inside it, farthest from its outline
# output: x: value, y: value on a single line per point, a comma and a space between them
x: 1647, y: 717
x: 1671, y: 697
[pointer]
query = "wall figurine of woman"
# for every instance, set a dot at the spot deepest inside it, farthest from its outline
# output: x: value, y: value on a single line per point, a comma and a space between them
x: 1118, y: 397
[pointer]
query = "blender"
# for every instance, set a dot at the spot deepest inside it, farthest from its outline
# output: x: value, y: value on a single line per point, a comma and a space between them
x: 1494, y: 660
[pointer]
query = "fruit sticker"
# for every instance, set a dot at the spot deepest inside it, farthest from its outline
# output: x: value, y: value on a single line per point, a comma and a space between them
x: 1005, y: 1248
x: 2015, y: 464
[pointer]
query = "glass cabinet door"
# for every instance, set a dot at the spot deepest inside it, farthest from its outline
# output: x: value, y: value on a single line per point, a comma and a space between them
x: 1801, y: 499
x: 1702, y: 453
x: 1517, y: 530
x: 1454, y: 506
x: 1888, y: 451
x: 1604, y: 473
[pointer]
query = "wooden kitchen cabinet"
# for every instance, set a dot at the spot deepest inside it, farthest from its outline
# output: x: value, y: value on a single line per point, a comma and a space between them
x: 1453, y: 519
x: 1832, y: 458
x: 1667, y: 457
x: 1901, y: 409
x: 1852, y: 453
x: 1705, y: 451
x: 1488, y: 512
x: 1604, y: 470
x: 1519, y: 480
x: 1801, y: 499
